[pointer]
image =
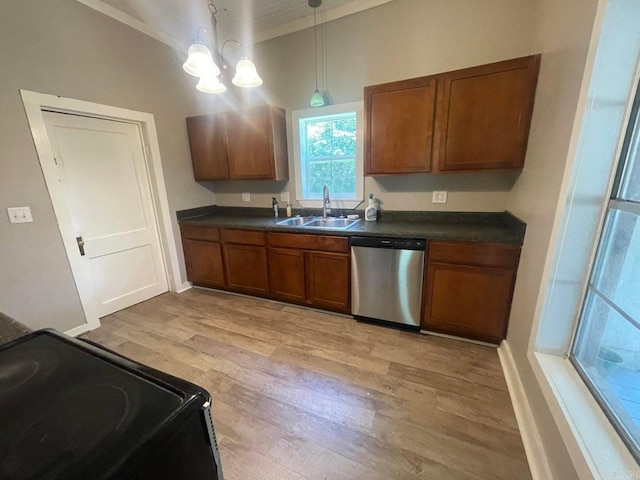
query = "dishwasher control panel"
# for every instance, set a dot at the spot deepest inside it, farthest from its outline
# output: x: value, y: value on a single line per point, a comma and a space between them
x: 394, y: 243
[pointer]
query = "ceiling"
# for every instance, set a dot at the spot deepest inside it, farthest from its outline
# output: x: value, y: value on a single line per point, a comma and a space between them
x: 249, y: 21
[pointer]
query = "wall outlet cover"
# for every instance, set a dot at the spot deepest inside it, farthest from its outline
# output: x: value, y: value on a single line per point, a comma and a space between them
x: 285, y: 197
x: 246, y: 197
x: 20, y: 215
x: 439, y: 196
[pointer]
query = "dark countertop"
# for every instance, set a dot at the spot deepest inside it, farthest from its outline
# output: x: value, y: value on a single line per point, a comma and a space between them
x: 10, y: 329
x: 494, y: 227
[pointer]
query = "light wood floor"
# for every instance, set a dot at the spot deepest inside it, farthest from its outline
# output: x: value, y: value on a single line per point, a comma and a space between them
x: 299, y: 394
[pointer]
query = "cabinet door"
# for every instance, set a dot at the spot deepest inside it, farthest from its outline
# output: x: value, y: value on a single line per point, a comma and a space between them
x: 249, y: 144
x: 483, y: 116
x: 204, y: 263
x: 468, y: 289
x: 327, y: 276
x: 246, y: 267
x: 399, y: 122
x: 208, y: 147
x: 286, y: 274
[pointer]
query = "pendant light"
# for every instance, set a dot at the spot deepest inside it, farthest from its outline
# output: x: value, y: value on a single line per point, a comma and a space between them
x: 317, y: 100
x: 209, y: 67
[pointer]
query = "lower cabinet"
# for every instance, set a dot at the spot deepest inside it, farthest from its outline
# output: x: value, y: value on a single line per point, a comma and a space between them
x: 310, y: 269
x: 468, y: 289
x: 245, y: 261
x: 203, y: 255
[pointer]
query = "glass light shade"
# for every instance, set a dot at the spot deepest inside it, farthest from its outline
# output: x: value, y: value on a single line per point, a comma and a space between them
x: 210, y: 83
x: 317, y: 100
x: 199, y: 61
x: 246, y: 74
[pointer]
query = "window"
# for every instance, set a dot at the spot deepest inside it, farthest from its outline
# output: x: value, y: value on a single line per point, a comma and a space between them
x: 328, y: 151
x: 606, y: 351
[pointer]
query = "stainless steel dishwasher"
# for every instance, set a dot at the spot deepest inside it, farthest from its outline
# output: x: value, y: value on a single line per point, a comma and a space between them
x: 386, y: 279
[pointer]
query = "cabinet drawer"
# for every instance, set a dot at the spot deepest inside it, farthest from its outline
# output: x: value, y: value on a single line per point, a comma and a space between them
x: 322, y: 243
x: 200, y: 232
x: 484, y: 255
x: 243, y: 237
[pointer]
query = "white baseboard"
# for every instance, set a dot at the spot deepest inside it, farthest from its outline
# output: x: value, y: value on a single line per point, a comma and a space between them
x: 536, y: 456
x: 79, y: 330
x: 184, y: 287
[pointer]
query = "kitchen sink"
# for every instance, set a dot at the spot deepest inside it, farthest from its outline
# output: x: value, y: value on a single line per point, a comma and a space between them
x: 295, y: 221
x: 335, y: 223
x: 319, y: 222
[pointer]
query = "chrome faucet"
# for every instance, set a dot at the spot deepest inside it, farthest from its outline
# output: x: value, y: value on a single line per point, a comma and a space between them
x: 326, y: 202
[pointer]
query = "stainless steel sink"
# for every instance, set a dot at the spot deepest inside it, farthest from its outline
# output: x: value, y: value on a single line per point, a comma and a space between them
x: 319, y: 222
x: 335, y: 223
x: 295, y: 221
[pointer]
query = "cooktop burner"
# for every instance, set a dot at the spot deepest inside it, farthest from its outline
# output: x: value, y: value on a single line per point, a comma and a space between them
x: 60, y: 403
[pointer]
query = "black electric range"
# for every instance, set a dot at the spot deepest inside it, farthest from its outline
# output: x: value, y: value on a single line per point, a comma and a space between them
x: 70, y: 409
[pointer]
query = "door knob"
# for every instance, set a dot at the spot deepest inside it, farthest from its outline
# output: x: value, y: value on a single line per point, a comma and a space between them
x: 80, y: 243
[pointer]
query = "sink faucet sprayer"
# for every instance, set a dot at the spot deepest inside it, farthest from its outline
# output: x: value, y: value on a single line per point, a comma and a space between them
x: 326, y: 202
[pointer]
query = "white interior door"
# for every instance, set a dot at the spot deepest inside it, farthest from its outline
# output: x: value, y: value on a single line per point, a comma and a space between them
x: 101, y: 170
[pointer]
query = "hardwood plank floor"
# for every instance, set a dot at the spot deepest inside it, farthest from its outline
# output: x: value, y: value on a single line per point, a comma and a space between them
x: 301, y: 394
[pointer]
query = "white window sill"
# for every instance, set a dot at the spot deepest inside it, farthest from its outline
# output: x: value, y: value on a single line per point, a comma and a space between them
x: 336, y: 204
x: 594, y: 445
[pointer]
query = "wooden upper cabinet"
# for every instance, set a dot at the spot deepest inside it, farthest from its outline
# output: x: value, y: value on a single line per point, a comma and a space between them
x: 208, y: 147
x: 257, y: 144
x: 483, y: 116
x: 239, y: 145
x: 463, y: 121
x: 399, y: 121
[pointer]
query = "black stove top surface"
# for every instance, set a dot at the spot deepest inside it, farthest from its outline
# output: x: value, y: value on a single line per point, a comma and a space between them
x: 64, y: 407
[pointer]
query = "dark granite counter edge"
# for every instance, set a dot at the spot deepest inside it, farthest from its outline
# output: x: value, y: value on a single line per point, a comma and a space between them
x: 400, y: 224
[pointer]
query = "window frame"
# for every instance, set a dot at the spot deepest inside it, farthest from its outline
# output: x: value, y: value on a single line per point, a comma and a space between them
x: 630, y: 146
x: 336, y: 202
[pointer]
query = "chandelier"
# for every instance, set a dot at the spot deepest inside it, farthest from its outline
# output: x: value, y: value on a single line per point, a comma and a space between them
x: 208, y: 64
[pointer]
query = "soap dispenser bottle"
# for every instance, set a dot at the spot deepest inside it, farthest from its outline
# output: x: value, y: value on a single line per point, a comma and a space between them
x: 371, y: 212
x: 274, y: 203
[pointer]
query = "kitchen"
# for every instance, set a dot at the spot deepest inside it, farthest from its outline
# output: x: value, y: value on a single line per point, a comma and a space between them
x: 116, y: 65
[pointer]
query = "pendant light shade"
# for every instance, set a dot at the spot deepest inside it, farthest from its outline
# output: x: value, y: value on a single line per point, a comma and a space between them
x: 199, y: 61
x: 317, y: 100
x: 210, y: 83
x: 246, y: 74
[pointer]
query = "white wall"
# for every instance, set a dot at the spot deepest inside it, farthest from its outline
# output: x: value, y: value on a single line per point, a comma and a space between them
x: 563, y: 32
x: 399, y: 40
x: 65, y: 48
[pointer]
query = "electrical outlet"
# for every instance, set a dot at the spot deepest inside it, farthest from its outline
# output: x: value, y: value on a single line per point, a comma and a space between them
x: 284, y: 197
x: 246, y: 197
x: 439, y: 197
x: 20, y: 215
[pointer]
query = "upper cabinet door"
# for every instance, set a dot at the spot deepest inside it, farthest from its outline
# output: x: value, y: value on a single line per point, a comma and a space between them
x: 399, y: 120
x: 208, y: 147
x: 483, y: 116
x: 256, y: 144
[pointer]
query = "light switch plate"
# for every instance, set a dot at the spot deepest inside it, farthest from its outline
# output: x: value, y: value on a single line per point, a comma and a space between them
x: 246, y: 197
x: 19, y: 214
x: 284, y: 197
x: 439, y: 196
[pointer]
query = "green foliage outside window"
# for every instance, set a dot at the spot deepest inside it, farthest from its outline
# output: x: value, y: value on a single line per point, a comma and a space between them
x: 330, y: 156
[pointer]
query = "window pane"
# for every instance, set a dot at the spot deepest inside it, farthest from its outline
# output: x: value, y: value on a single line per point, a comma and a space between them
x: 608, y: 352
x: 630, y: 185
x: 617, y: 270
x: 338, y: 175
x: 331, y: 138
